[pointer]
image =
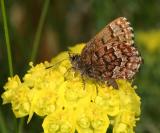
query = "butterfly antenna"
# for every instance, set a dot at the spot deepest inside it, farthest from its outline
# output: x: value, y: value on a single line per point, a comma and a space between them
x: 56, y: 63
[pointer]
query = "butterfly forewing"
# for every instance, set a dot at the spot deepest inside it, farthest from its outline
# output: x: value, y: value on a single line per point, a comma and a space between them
x: 118, y: 30
x: 111, y: 53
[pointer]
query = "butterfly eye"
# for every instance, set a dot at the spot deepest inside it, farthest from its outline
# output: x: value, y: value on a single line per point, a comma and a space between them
x: 73, y: 58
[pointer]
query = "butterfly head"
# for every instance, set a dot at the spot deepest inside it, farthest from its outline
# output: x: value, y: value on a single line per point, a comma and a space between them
x: 75, y: 60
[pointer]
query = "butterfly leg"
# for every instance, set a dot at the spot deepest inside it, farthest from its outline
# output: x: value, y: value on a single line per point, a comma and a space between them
x: 131, y: 81
x: 83, y: 81
x: 65, y: 74
x: 113, y: 83
x: 96, y: 89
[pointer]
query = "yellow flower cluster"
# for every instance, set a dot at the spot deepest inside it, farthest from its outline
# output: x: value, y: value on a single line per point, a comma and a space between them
x: 150, y: 39
x: 58, y: 94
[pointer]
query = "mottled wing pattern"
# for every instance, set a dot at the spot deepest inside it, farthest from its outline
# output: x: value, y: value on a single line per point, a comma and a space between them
x: 118, y: 30
x: 111, y: 53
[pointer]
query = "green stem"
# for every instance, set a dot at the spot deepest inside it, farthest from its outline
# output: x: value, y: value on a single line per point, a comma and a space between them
x: 2, y: 120
x: 20, y: 126
x: 7, y: 38
x: 3, y: 128
x: 15, y: 125
x: 39, y: 30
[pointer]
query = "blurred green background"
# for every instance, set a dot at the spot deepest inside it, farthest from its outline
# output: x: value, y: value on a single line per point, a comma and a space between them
x: 73, y: 21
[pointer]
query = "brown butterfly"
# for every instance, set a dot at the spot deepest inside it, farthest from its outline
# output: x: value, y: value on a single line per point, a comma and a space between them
x: 109, y: 55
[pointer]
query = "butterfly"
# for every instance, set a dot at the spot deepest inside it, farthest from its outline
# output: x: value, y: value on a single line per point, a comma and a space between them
x: 110, y: 55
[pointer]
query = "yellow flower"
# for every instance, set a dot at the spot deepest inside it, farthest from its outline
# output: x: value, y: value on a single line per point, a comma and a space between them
x: 20, y: 101
x: 59, y: 122
x: 91, y: 119
x: 10, y: 88
x: 108, y: 99
x: 124, y: 122
x: 18, y: 95
x: 57, y: 92
x: 149, y: 40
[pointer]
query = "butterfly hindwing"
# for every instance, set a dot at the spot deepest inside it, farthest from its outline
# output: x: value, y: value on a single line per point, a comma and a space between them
x: 111, y: 53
